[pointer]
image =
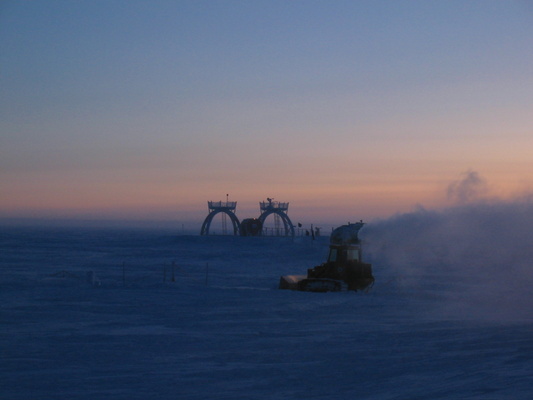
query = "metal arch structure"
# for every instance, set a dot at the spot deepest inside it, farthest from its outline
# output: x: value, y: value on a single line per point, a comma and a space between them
x: 207, y: 222
x: 277, y: 208
x: 221, y: 207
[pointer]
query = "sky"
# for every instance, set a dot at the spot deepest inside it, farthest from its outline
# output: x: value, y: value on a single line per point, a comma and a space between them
x: 347, y: 110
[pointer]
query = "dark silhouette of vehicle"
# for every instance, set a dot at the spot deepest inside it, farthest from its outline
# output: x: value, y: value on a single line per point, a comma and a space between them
x: 343, y: 270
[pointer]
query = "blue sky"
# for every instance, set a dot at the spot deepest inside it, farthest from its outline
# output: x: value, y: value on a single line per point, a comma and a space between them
x: 147, y: 109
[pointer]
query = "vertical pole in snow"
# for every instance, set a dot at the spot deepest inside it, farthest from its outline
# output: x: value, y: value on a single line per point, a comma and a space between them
x: 173, y: 279
x: 206, y: 272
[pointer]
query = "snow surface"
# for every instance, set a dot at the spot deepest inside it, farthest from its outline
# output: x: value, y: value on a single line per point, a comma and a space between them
x: 96, y: 314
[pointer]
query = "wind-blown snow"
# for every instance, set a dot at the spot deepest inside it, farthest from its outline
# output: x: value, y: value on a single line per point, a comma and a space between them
x: 482, y: 252
x: 448, y: 318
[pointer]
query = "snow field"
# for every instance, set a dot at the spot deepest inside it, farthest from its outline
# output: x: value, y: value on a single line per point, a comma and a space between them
x: 136, y: 334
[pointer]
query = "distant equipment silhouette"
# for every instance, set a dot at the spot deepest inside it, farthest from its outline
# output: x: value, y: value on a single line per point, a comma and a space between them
x: 250, y: 226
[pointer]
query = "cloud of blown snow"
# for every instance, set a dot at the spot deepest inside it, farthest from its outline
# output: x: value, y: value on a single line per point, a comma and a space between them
x: 469, y: 188
x: 478, y: 256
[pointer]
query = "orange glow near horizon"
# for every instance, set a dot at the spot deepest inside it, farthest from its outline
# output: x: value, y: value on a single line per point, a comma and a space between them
x: 322, y: 201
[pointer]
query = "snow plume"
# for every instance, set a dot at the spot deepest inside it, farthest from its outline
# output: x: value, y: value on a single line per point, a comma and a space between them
x: 476, y: 258
x: 470, y: 188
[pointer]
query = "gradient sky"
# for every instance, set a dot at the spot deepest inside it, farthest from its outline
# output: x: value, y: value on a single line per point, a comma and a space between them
x: 345, y: 109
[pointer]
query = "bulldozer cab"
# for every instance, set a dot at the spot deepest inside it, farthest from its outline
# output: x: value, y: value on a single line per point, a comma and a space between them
x: 343, y: 254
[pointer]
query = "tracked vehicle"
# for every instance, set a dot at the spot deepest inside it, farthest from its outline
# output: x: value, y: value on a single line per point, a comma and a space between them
x: 343, y: 270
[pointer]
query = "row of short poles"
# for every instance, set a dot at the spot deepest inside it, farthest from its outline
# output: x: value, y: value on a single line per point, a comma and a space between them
x: 172, y: 273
